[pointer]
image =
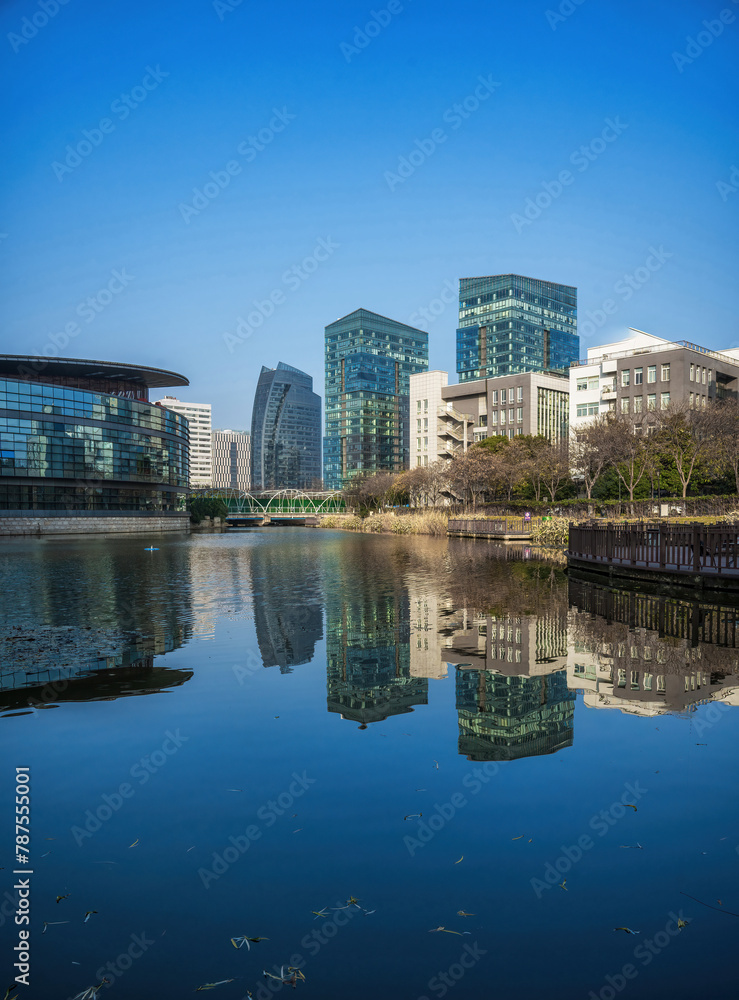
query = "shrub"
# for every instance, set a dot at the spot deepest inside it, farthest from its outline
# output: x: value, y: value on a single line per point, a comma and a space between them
x: 554, y: 532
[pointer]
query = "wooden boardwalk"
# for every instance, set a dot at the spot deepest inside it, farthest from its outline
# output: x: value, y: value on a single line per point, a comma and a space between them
x: 513, y: 528
x: 694, y: 552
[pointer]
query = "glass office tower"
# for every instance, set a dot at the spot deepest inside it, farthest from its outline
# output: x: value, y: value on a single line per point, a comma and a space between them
x: 285, y: 431
x: 369, y: 361
x: 510, y: 324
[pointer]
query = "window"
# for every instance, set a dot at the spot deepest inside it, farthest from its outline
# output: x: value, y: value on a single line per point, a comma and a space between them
x: 638, y: 400
x: 710, y: 376
x: 502, y: 395
x: 690, y: 400
x: 703, y: 372
x: 483, y: 420
x: 692, y: 372
x: 519, y: 430
x: 582, y: 384
x: 652, y: 373
x: 638, y: 376
x: 418, y: 406
x: 494, y: 398
x: 665, y: 400
x: 418, y: 460
x: 418, y: 422
x: 494, y: 418
x: 665, y: 374
x: 418, y: 448
x: 510, y: 416
x: 425, y: 460
x: 502, y: 416
x: 652, y: 401
x: 425, y: 405
x: 582, y: 410
x: 519, y: 415
x: 626, y: 377
x: 425, y: 423
x: 519, y: 392
x: 625, y: 404
x: 510, y: 433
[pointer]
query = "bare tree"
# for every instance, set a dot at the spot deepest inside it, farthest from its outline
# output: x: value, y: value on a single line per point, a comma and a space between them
x: 629, y: 447
x: 683, y: 435
x: 471, y: 474
x: 437, y: 482
x: 511, y: 466
x: 722, y: 424
x: 589, y: 452
x: 555, y: 468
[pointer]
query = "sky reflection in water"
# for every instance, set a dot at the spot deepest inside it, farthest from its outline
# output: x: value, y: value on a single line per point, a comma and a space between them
x: 315, y: 692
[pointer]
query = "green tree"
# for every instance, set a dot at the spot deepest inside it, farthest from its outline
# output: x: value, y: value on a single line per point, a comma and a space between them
x: 202, y: 507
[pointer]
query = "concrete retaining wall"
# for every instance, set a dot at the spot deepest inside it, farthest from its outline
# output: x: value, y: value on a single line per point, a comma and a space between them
x: 89, y: 523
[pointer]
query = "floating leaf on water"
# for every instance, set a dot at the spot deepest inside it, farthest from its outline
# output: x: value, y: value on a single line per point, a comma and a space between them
x: 65, y: 896
x: 632, y: 847
x: 413, y: 816
x: 321, y: 913
x: 92, y: 991
x: 461, y: 859
x: 628, y: 930
x: 446, y: 930
x: 517, y: 838
x: 369, y: 913
x: 563, y: 884
x: 629, y: 806
x: 51, y: 923
x: 135, y: 843
x: 681, y: 923
x: 87, y: 917
x: 212, y: 986
x: 436, y: 764
x: 463, y: 913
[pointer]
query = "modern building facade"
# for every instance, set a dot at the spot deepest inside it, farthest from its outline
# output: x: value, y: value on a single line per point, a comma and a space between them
x: 199, y: 422
x: 437, y: 430
x: 535, y: 403
x: 369, y: 362
x: 231, y: 458
x: 510, y: 324
x: 644, y: 373
x: 285, y: 431
x: 83, y: 449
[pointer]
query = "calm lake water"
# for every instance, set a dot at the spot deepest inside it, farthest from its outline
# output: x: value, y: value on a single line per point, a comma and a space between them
x: 408, y: 764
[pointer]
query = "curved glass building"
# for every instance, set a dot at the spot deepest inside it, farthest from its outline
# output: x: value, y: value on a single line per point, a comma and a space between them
x: 285, y: 431
x: 82, y: 436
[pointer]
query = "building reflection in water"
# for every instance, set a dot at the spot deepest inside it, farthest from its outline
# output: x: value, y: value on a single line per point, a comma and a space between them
x: 128, y: 606
x: 369, y: 674
x: 288, y: 602
x: 648, y: 654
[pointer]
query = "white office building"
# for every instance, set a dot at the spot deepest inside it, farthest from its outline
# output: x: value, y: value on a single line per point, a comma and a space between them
x: 231, y: 459
x: 199, y: 421
x: 437, y: 429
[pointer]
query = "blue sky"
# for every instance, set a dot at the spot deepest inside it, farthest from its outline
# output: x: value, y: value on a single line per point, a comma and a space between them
x: 336, y: 118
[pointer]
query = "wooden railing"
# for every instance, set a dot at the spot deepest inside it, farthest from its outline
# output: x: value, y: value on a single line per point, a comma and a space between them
x: 694, y: 549
x: 490, y: 526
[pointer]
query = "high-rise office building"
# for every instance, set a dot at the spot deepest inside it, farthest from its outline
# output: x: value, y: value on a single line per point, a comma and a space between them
x: 231, y: 459
x: 510, y: 324
x: 285, y: 431
x: 369, y: 361
x: 198, y: 419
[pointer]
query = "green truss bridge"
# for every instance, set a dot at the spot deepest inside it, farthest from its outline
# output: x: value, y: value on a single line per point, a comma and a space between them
x: 275, y: 506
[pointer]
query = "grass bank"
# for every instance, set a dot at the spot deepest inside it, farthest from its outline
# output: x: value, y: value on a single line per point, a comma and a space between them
x: 431, y: 522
